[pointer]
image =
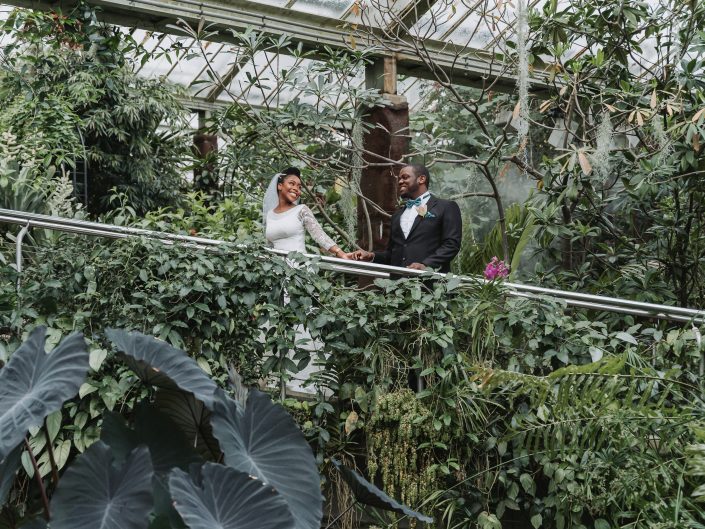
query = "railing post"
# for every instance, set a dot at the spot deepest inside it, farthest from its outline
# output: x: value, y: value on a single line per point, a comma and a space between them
x: 18, y: 253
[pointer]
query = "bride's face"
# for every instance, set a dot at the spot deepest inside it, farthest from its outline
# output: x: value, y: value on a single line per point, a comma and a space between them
x: 290, y: 189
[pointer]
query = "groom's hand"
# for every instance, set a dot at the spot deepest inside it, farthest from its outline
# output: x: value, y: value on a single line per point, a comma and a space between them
x: 417, y: 266
x: 361, y: 255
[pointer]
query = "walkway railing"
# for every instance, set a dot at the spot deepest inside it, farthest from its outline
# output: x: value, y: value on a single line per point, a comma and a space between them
x: 358, y: 268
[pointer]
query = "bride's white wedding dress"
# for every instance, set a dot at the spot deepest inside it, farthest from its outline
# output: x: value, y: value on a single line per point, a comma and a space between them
x: 287, y: 231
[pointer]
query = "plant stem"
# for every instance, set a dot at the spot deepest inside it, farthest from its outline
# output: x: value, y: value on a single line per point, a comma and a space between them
x: 52, y: 461
x: 341, y: 515
x: 42, y: 490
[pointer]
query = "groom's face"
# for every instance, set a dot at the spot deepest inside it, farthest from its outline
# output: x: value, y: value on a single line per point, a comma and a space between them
x: 409, y: 184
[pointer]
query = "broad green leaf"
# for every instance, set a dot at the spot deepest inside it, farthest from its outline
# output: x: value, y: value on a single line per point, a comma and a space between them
x: 8, y: 469
x: 37, y: 523
x: 264, y: 441
x: 167, y: 443
x: 95, y: 493
x: 53, y: 424
x: 486, y: 520
x: 626, y: 337
x: 225, y: 498
x: 192, y: 418
x: 527, y: 482
x: 166, y: 366
x: 34, y: 384
x: 96, y: 358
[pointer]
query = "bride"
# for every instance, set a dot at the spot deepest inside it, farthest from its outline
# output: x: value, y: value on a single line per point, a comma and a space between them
x: 286, y: 219
x: 286, y: 222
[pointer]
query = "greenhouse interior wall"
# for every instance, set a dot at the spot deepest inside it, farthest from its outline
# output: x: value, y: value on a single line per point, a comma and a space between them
x: 381, y: 264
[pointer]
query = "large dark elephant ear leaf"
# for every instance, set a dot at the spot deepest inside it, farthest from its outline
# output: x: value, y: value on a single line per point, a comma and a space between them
x: 95, y: 493
x: 162, y: 365
x: 8, y: 469
x: 264, y: 441
x: 168, y: 447
x: 193, y: 419
x: 227, y: 499
x: 366, y: 493
x: 34, y: 384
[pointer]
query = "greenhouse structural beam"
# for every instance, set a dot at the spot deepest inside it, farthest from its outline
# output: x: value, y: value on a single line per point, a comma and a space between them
x: 461, y: 65
x: 571, y: 299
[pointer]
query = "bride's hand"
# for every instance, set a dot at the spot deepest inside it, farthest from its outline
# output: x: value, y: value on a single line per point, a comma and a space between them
x: 340, y: 254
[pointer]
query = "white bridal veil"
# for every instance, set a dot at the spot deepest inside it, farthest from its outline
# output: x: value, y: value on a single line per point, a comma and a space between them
x: 271, y: 198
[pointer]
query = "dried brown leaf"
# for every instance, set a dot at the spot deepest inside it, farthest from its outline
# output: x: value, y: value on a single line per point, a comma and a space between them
x: 584, y: 163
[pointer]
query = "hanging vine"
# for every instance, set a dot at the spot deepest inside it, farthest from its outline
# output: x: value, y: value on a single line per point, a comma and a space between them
x: 398, y: 447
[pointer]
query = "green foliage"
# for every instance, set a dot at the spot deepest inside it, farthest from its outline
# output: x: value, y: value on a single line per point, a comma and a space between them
x: 131, y: 478
x: 502, y: 426
x: 620, y: 206
x: 72, y: 101
x: 531, y: 413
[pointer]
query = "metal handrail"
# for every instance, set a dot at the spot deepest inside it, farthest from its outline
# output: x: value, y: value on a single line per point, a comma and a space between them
x: 360, y: 268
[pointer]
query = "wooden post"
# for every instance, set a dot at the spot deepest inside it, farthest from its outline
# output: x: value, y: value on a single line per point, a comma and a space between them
x: 205, y: 175
x: 387, y: 136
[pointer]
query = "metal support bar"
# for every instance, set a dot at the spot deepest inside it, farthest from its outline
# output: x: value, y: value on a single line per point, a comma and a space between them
x: 18, y: 253
x: 572, y: 299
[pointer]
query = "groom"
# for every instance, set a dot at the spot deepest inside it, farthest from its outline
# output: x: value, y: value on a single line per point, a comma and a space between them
x: 426, y: 230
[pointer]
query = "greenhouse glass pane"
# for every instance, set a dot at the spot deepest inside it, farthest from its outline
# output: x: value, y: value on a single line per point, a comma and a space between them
x: 5, y: 11
x: 378, y: 13
x: 278, y: 3
x: 410, y: 88
x: 220, y: 66
x: 179, y: 66
x: 255, y: 79
x: 328, y: 8
x: 441, y: 18
x: 477, y: 32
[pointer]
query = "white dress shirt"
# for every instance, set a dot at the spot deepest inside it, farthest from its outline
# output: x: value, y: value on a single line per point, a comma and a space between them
x: 409, y: 216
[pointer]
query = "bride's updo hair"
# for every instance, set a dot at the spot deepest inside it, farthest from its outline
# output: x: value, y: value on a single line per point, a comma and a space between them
x: 288, y: 171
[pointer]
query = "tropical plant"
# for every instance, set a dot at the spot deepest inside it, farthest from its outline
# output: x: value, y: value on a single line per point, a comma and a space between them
x: 72, y: 100
x: 150, y: 475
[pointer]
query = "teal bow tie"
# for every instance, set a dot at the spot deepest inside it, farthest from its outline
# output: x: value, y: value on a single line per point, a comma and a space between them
x: 413, y: 202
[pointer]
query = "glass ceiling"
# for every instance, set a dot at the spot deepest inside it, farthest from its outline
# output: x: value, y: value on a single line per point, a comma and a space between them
x: 180, y: 61
x: 471, y: 24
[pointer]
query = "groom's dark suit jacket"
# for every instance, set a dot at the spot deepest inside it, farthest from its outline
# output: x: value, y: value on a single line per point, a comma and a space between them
x: 433, y: 241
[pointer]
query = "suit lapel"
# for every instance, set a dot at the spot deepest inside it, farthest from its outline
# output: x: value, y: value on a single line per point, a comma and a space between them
x: 431, y: 202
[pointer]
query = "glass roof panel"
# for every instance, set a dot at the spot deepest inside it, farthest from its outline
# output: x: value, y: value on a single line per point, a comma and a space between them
x: 179, y: 64
x: 221, y: 64
x: 476, y: 32
x: 278, y: 3
x: 328, y: 8
x: 377, y: 13
x: 443, y: 16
